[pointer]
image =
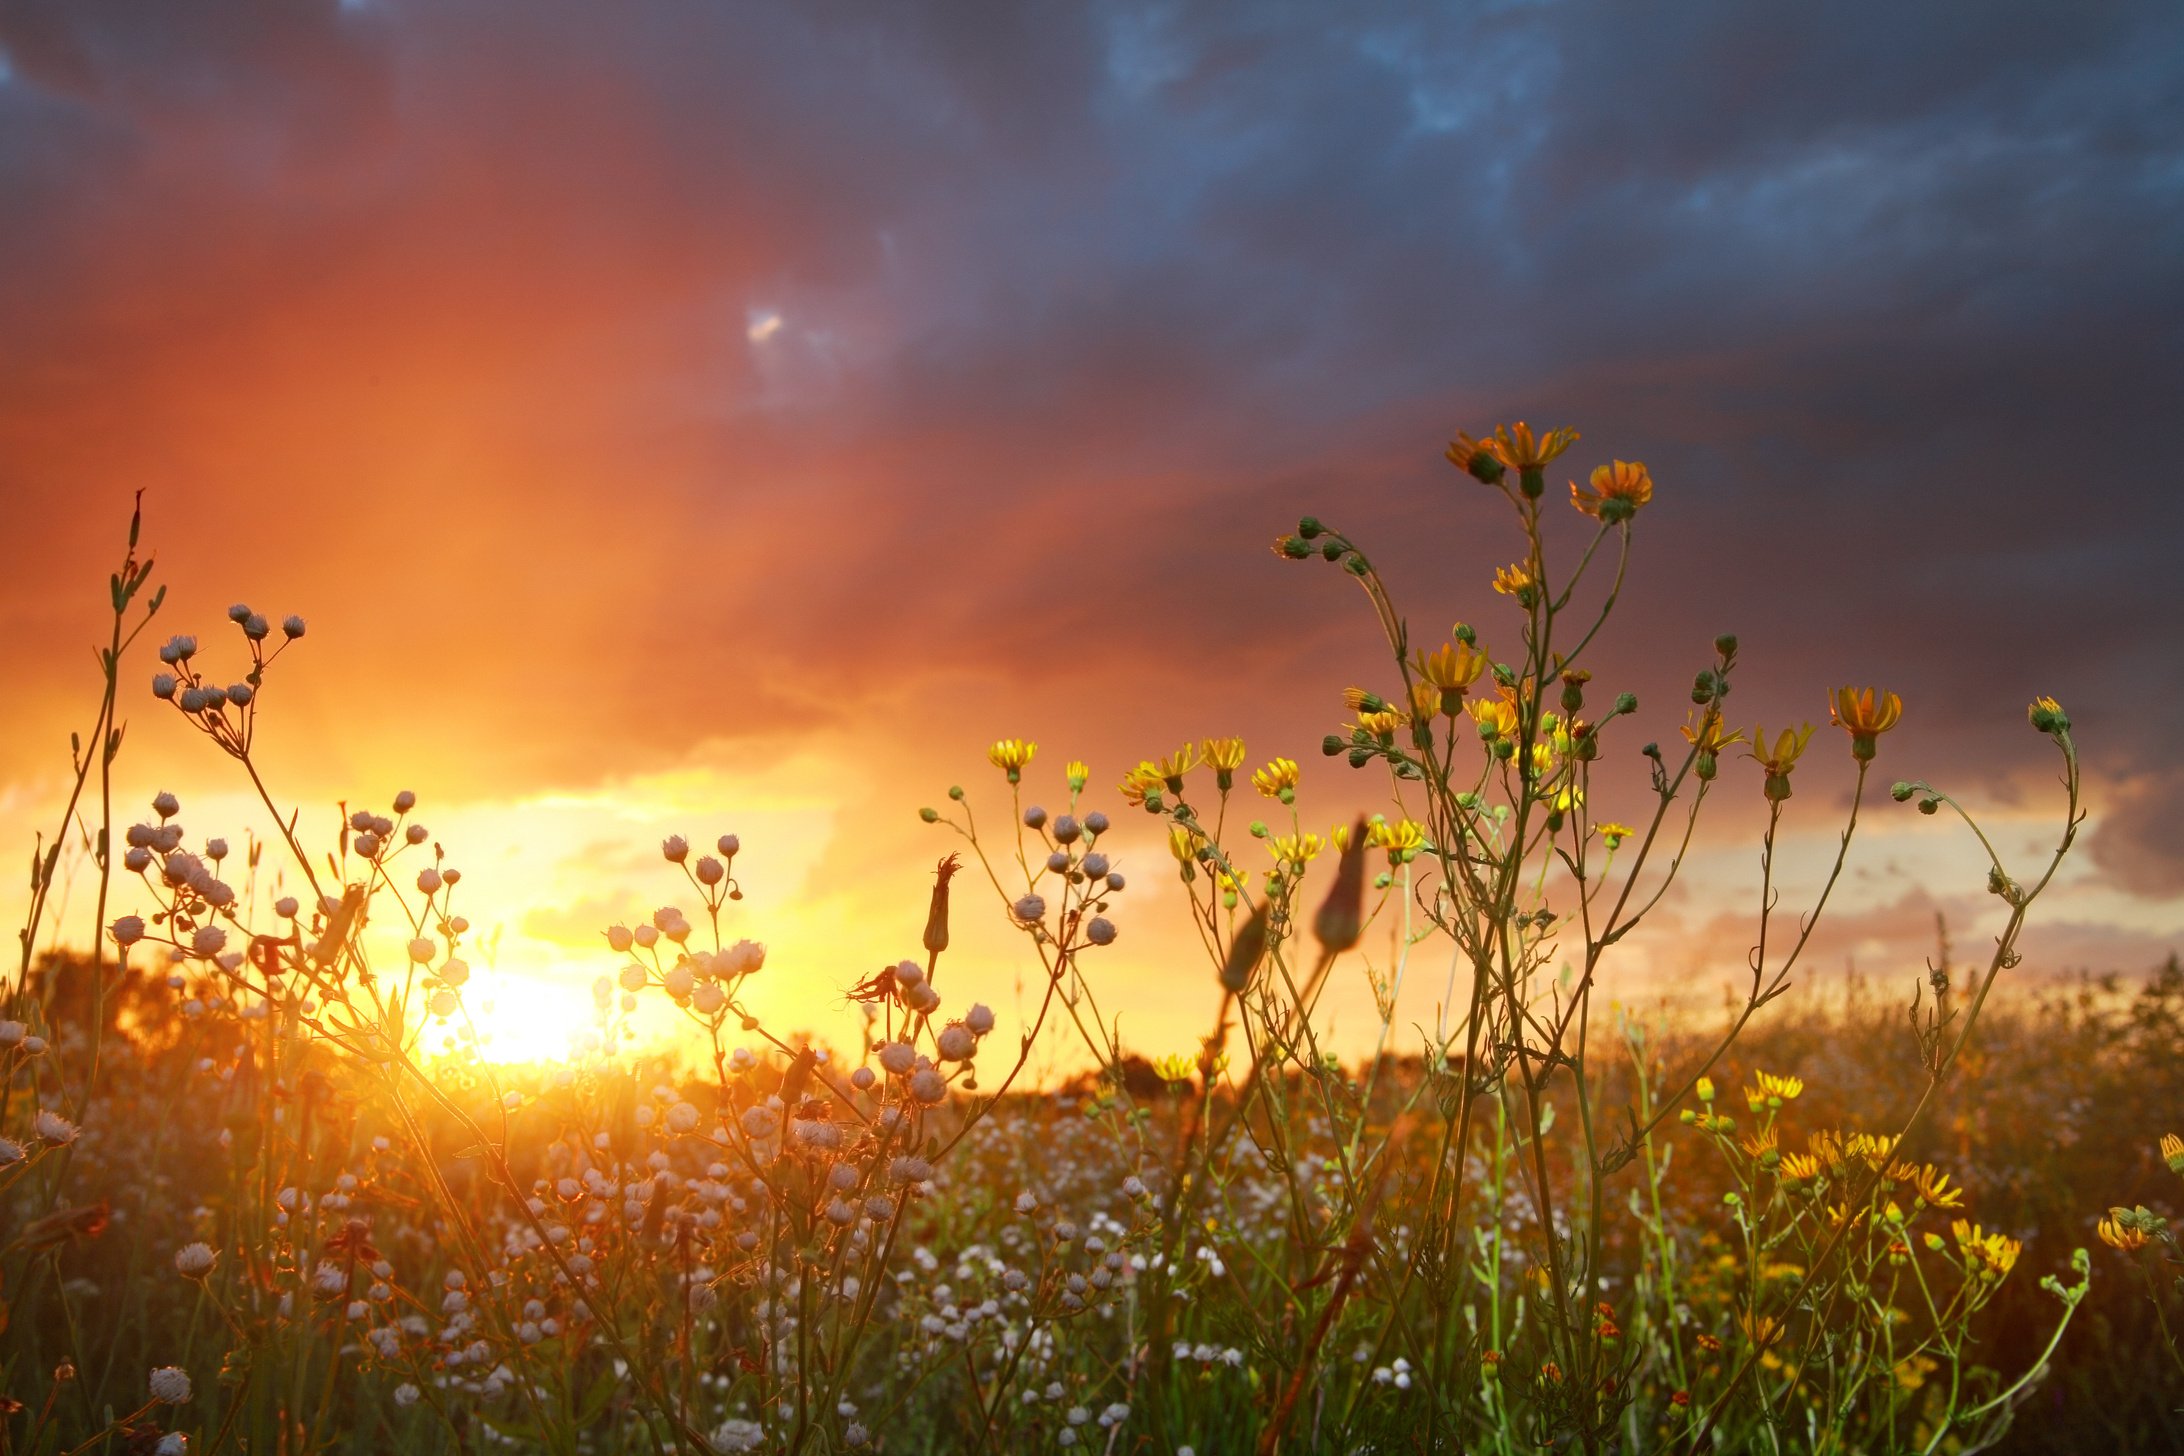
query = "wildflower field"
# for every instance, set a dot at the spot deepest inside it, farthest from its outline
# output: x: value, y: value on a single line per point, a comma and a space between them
x: 260, y: 1191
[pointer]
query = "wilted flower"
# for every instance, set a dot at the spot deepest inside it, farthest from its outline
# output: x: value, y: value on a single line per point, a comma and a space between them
x: 207, y: 940
x: 170, y: 1385
x: 128, y: 930
x: 1029, y: 909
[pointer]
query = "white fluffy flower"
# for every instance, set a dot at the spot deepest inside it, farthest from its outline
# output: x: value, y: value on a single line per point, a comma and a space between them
x: 194, y: 1261
x: 208, y: 940
x: 53, y: 1127
x: 170, y: 1385
x: 128, y: 930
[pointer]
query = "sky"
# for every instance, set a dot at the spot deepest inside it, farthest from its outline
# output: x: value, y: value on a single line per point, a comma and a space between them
x: 703, y: 419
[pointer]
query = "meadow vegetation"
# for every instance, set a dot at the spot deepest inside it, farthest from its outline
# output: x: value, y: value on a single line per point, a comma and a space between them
x: 242, y: 1208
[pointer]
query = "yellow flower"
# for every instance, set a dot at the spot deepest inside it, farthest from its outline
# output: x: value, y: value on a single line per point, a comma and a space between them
x: 1175, y: 765
x: 1278, y: 780
x: 2047, y: 715
x: 1789, y: 1089
x: 1708, y: 739
x: 1402, y: 839
x: 1517, y: 580
x: 1934, y: 1189
x: 1865, y: 714
x: 1760, y: 1143
x: 1828, y: 1148
x: 1297, y: 850
x: 1762, y: 1331
x: 1995, y: 1254
x: 1779, y: 760
x: 1874, y: 1149
x: 1800, y: 1167
x: 1185, y: 845
x: 1517, y: 448
x: 2121, y: 1234
x: 1226, y: 755
x: 1362, y: 700
x: 1496, y: 717
x: 1705, y: 1088
x: 1142, y: 781
x: 1475, y: 458
x: 1425, y: 701
x: 2172, y: 1152
x: 1543, y: 760
x: 1381, y: 725
x: 1616, y: 491
x: 1611, y: 833
x: 1452, y: 667
x: 1010, y: 755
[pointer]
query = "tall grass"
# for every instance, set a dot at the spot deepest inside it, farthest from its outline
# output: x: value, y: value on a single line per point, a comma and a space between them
x: 243, y: 1207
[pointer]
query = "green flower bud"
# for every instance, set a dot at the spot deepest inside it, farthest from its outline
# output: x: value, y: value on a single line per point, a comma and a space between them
x: 930, y: 816
x: 1900, y: 791
x: 1310, y: 527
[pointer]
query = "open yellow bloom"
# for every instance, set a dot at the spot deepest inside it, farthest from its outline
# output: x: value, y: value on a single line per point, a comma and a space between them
x: 1517, y: 580
x: 1995, y: 1254
x: 1140, y: 781
x: 1078, y: 774
x: 1612, y: 833
x: 1010, y: 755
x: 2118, y: 1235
x: 1402, y: 839
x: 1615, y: 493
x: 1381, y: 724
x: 1452, y: 667
x: 1789, y: 1089
x: 1224, y: 753
x: 1865, y: 714
x: 1175, y: 765
x: 1278, y: 780
x: 1519, y: 449
x: 1800, y: 1167
x: 1933, y: 1186
x: 1297, y: 850
x: 1708, y: 736
x: 1780, y: 758
x: 1496, y: 717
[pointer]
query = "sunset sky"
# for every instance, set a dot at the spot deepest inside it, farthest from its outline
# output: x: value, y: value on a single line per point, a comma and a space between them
x: 708, y: 418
